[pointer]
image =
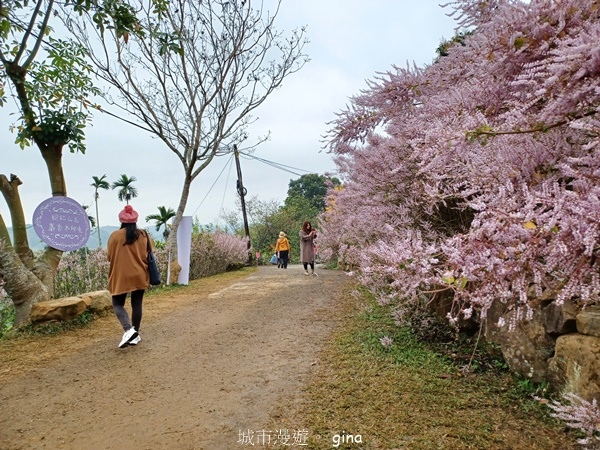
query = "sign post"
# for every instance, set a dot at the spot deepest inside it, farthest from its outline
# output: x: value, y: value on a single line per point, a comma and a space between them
x: 184, y: 248
x: 62, y: 223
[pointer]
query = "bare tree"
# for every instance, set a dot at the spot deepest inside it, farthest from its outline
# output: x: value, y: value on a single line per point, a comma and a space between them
x: 196, y: 79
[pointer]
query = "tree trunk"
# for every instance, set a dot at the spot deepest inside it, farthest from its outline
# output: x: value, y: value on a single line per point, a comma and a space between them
x: 97, y: 220
x: 175, y: 266
x: 52, y: 155
x: 25, y: 288
x: 10, y: 191
x: 29, y: 281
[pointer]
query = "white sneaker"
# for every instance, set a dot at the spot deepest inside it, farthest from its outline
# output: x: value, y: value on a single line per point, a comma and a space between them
x: 314, y: 274
x: 128, y: 336
x: 306, y: 272
x: 136, y: 340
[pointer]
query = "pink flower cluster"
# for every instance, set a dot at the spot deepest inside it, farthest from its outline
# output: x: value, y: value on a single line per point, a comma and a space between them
x: 80, y: 272
x: 214, y: 253
x: 480, y: 173
x: 582, y: 415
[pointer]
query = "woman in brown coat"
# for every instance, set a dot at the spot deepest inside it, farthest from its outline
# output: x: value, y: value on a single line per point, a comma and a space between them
x: 128, y: 273
x: 307, y: 247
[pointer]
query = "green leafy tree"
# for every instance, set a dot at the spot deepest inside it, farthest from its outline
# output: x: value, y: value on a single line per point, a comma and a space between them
x: 50, y: 82
x: 233, y: 222
x: 126, y: 189
x: 99, y: 183
x: 162, y: 220
x: 446, y: 45
x: 263, y: 229
x: 305, y: 201
x: 268, y: 218
x: 313, y: 188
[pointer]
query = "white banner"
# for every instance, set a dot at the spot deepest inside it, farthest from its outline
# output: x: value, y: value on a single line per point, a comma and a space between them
x: 184, y: 247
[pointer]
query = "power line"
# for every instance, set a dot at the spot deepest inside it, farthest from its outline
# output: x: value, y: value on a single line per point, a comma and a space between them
x: 127, y: 121
x: 276, y: 165
x: 213, y: 185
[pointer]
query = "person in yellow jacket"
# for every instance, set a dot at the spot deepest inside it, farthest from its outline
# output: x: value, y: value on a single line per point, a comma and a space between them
x: 282, y: 248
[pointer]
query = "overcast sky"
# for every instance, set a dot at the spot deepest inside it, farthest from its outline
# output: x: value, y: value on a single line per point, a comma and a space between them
x: 350, y: 41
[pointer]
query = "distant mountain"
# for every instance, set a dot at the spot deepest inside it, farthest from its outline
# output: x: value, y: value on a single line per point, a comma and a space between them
x: 105, y: 233
x: 35, y: 243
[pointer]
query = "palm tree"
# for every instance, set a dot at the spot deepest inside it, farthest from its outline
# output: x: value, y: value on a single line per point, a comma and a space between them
x: 90, y: 218
x: 163, y: 216
x: 126, y: 189
x: 99, y: 183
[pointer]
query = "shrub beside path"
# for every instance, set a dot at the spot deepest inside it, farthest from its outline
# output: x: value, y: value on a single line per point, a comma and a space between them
x: 216, y: 358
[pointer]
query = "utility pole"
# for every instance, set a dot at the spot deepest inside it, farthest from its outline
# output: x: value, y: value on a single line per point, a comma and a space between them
x: 242, y: 192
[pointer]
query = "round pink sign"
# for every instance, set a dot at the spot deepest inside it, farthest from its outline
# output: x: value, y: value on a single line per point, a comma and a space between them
x: 62, y: 223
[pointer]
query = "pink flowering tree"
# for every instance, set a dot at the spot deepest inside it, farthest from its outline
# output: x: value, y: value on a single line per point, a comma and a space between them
x: 478, y: 174
x: 214, y: 253
x: 80, y: 272
x: 579, y: 414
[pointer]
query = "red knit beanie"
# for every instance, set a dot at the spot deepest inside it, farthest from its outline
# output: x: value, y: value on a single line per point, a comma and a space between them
x: 128, y: 215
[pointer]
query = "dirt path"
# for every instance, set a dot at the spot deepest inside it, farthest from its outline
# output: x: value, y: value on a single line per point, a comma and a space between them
x: 214, y: 360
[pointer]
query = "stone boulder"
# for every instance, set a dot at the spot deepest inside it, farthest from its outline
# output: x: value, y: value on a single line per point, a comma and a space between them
x: 490, y: 323
x: 575, y: 366
x: 560, y: 319
x: 57, y: 310
x: 97, y: 301
x: 588, y: 321
x: 527, y: 348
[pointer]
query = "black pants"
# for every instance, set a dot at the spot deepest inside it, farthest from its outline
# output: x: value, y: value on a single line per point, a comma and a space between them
x: 118, y: 302
x: 312, y: 266
x: 284, y: 256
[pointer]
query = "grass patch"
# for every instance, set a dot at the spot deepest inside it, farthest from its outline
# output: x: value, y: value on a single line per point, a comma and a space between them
x: 7, y: 316
x: 409, y: 395
x: 46, y: 329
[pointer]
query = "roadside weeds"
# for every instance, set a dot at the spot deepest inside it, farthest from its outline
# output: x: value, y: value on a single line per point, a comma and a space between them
x: 364, y: 395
